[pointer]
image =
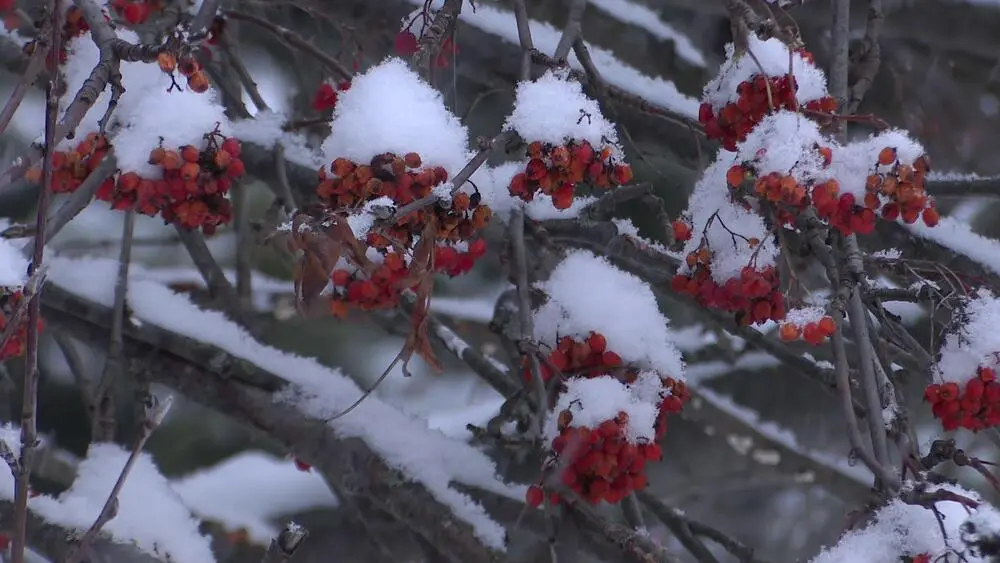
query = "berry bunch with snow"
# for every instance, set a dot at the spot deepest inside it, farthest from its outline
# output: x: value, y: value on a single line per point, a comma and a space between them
x: 810, y: 324
x: 71, y: 167
x: 751, y: 85
x: 619, y: 377
x: 190, y: 189
x: 968, y: 393
x: 730, y: 261
x: 394, y: 144
x: 570, y: 143
x: 9, y: 303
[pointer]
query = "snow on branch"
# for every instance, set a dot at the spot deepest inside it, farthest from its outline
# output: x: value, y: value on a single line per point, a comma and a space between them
x: 172, y: 534
x: 424, y: 455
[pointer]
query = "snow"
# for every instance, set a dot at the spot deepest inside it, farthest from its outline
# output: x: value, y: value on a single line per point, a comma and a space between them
x: 958, y: 237
x: 901, y: 529
x: 13, y: 264
x: 146, y: 112
x: 389, y: 108
x: 405, y: 443
x: 713, y: 213
x: 553, y: 109
x: 496, y: 195
x: 802, y: 316
x: 150, y: 514
x: 592, y: 401
x: 265, y: 129
x: 771, y: 60
x: 784, y: 142
x: 975, y: 343
x: 641, y: 16
x: 545, y: 37
x: 852, y: 164
x: 220, y: 493
x: 586, y: 293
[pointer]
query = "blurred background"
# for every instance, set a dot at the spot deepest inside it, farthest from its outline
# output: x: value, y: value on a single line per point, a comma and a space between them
x: 939, y: 78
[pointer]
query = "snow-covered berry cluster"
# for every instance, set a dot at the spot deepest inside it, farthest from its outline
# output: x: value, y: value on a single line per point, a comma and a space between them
x: 615, y: 386
x: 754, y: 296
x: 556, y: 171
x: 393, y: 181
x: 810, y: 324
x: 967, y: 393
x: 748, y: 88
x: 9, y: 303
x: 136, y: 12
x: 190, y: 187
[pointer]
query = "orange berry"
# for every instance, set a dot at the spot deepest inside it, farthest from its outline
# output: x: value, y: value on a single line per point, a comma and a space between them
x: 156, y: 155
x: 190, y: 153
x: 735, y: 176
x: 171, y: 160
x: 167, y: 62
x: 827, y: 326
x: 887, y: 156
x: 222, y: 159
x: 198, y: 82
x: 789, y: 332
x: 190, y: 171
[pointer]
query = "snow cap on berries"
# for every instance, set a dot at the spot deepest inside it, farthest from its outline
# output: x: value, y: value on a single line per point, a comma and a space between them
x: 771, y: 59
x: 592, y: 401
x: 853, y: 163
x: 726, y: 226
x: 785, y: 142
x: 390, y: 108
x: 586, y: 293
x: 553, y: 109
x: 976, y: 341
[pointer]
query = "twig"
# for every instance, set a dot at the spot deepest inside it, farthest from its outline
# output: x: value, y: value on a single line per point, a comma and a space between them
x: 155, y: 413
x: 202, y: 21
x: 284, y: 190
x: 284, y: 546
x: 524, y: 37
x: 29, y: 404
x: 102, y: 403
x: 570, y: 32
x: 679, y: 526
x: 870, y: 57
x: 244, y: 246
x: 524, y: 313
x: 35, y: 66
x: 236, y: 61
x: 632, y: 512
x: 433, y: 36
x: 841, y: 28
x: 294, y: 40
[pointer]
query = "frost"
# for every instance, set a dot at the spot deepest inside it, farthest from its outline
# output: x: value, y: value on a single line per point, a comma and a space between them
x: 553, y: 109
x: 405, y: 443
x: 592, y: 401
x: 390, y: 108
x: 586, y: 293
x: 975, y: 343
x: 219, y: 493
x: 773, y: 59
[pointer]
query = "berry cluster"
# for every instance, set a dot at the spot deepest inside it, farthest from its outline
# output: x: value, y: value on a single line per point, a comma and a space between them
x: 755, y: 296
x: 326, y: 95
x: 14, y: 347
x: 814, y: 333
x: 903, y: 188
x: 974, y: 408
x: 759, y: 96
x: 600, y: 463
x: 188, y: 67
x: 136, y: 12
x: 783, y: 190
x: 193, y: 187
x: 348, y: 186
x: 556, y: 170
x: 71, y: 168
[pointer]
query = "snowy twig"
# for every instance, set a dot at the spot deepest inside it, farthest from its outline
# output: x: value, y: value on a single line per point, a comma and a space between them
x: 294, y: 40
x: 284, y: 546
x: 112, y: 52
x: 520, y: 255
x: 102, y: 404
x: 434, y: 35
x: 29, y: 403
x: 155, y: 414
x: 960, y: 186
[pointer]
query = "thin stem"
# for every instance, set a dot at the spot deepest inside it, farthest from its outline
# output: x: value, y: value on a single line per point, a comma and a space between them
x: 29, y: 404
x: 524, y: 312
